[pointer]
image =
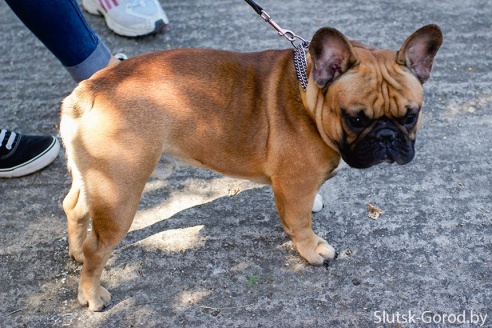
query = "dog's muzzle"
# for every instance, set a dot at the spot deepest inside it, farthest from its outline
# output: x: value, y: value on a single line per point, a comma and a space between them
x: 384, y: 144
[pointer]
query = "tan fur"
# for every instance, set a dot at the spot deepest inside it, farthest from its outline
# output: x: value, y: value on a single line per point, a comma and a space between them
x: 240, y: 114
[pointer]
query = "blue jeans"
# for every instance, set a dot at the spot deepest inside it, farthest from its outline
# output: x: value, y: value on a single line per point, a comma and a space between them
x: 61, y: 27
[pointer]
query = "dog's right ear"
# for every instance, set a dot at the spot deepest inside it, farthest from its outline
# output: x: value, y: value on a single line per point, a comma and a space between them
x: 332, y: 55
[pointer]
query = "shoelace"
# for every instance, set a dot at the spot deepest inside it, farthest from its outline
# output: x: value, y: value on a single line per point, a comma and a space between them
x: 10, y: 140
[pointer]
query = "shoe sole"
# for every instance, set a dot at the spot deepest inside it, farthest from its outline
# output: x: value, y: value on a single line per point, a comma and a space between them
x: 95, y: 8
x: 35, y: 164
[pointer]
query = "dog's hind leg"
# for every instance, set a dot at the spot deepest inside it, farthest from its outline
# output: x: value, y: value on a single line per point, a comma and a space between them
x: 77, y: 211
x: 114, y: 179
x: 112, y: 150
x: 113, y: 203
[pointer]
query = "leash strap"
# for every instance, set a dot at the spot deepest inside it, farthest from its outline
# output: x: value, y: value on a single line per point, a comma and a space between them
x: 301, y: 49
x: 255, y: 6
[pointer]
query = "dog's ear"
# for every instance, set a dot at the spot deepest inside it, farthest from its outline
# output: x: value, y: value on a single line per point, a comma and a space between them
x: 332, y: 55
x: 418, y: 51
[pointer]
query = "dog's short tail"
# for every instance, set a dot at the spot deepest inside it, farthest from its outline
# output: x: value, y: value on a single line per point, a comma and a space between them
x: 78, y: 102
x: 72, y: 109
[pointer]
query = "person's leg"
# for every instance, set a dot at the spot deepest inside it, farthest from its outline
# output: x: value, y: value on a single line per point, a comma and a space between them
x: 61, y: 27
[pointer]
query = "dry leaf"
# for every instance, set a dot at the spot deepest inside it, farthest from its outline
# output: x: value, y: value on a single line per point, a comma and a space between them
x: 233, y: 192
x: 374, y: 212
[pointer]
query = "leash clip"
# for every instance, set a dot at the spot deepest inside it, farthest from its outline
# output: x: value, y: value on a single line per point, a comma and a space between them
x: 288, y: 34
x: 300, y: 61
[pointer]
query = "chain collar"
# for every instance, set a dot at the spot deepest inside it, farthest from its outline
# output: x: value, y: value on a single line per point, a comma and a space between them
x: 300, y: 63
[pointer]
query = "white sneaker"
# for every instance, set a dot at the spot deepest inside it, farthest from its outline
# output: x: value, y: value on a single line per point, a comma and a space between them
x: 129, y: 17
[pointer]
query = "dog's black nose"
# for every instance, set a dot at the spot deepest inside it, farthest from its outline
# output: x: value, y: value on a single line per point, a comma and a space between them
x: 386, y: 135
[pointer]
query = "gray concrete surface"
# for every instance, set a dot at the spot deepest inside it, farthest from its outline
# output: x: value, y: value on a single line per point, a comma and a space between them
x: 202, y: 254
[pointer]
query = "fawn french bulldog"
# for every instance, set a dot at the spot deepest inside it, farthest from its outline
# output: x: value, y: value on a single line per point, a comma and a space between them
x: 240, y: 114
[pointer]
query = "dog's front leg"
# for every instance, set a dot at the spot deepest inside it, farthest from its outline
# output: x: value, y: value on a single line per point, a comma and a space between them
x: 294, y: 204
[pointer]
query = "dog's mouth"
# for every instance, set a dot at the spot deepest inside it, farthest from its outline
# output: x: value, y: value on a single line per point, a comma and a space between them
x: 374, y: 150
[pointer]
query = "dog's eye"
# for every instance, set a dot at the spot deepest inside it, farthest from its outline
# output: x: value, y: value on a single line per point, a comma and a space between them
x: 355, y: 122
x: 410, y: 119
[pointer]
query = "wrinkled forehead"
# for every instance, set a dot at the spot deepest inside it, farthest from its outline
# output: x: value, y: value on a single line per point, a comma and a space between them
x: 378, y: 85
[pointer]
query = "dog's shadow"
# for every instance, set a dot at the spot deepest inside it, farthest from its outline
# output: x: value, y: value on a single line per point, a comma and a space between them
x: 197, y: 246
x: 195, y: 197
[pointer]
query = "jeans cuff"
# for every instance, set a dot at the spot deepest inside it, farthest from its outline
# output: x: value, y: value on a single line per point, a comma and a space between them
x: 97, y: 60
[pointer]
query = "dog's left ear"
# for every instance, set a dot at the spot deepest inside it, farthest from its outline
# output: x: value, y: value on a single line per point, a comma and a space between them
x: 418, y: 51
x: 332, y: 55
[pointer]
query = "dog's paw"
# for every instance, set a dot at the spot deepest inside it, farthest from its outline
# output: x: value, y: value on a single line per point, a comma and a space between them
x: 316, y: 251
x: 97, y: 301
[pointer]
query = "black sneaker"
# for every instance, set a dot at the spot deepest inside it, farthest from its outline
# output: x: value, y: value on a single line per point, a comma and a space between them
x: 22, y: 155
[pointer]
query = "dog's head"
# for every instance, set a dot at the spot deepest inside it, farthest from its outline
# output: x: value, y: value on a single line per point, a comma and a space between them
x: 367, y: 102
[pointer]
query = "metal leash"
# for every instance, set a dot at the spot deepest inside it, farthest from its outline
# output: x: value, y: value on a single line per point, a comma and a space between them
x: 301, y: 49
